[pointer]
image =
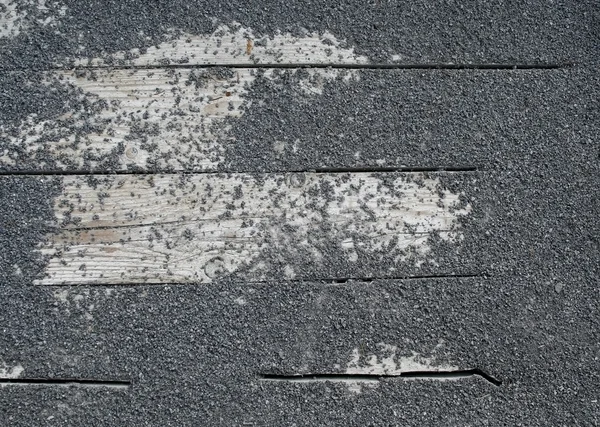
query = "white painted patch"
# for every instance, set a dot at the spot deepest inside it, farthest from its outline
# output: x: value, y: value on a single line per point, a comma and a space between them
x: 240, y: 301
x: 289, y: 272
x: 356, y: 387
x: 389, y: 363
x: 10, y: 372
x: 386, y: 362
x: 18, y: 271
x: 236, y: 44
x: 284, y: 213
x: 348, y: 245
x: 11, y: 21
x: 281, y: 212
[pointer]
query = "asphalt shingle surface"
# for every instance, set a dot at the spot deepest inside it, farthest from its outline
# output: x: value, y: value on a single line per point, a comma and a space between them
x: 419, y: 32
x: 193, y: 354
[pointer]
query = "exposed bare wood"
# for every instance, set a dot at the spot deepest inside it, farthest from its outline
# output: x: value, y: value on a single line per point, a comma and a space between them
x: 14, y: 18
x: 145, y: 119
x: 199, y: 228
x: 235, y: 44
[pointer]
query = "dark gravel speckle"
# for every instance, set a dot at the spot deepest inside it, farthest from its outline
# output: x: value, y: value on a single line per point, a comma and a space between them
x: 194, y: 353
x: 26, y: 217
x: 419, y: 32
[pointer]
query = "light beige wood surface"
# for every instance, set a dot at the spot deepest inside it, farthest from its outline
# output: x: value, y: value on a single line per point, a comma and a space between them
x: 200, y: 228
x: 164, y: 119
x: 234, y: 44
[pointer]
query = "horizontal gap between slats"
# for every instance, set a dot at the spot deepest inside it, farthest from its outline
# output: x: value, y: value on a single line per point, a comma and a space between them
x: 398, y: 169
x: 371, y: 378
x: 67, y: 382
x: 414, y: 169
x: 176, y: 222
x: 426, y: 66
x: 343, y: 280
x: 325, y: 281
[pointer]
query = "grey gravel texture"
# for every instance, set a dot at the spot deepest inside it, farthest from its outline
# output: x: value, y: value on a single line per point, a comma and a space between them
x: 26, y: 217
x: 420, y: 32
x: 194, y: 353
x: 421, y: 118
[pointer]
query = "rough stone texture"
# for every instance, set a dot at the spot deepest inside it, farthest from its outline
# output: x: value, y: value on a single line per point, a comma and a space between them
x: 490, y: 119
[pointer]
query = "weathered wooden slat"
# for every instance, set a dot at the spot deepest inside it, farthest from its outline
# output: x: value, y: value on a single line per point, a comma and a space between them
x: 247, y: 120
x: 200, y: 228
x: 141, y: 119
x: 235, y: 45
x: 202, y: 32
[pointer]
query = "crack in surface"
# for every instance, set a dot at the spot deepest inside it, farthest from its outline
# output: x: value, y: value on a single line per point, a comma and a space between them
x: 66, y: 382
x: 373, y: 378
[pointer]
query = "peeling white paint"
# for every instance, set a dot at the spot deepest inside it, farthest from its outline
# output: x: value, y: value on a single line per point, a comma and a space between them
x: 392, y: 364
x: 18, y: 271
x: 289, y: 272
x: 290, y: 219
x: 62, y: 295
x: 187, y: 110
x: 11, y: 21
x: 14, y: 20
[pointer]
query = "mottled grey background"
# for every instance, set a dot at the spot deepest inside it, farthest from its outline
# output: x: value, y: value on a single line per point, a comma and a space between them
x: 193, y: 354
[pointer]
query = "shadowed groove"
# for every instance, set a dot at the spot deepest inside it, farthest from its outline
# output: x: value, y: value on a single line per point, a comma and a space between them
x: 66, y: 382
x: 370, y: 378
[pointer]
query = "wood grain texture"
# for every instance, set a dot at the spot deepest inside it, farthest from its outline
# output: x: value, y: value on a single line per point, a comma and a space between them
x: 200, y: 228
x: 163, y: 120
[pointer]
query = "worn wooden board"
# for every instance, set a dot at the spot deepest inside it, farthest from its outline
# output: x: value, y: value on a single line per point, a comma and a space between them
x: 200, y: 228
x: 201, y: 32
x: 242, y: 120
x: 235, y: 45
x: 526, y: 322
x: 161, y: 119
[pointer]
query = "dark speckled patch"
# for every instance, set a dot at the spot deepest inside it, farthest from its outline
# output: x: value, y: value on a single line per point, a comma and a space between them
x: 445, y: 31
x: 26, y: 216
x: 209, y: 345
